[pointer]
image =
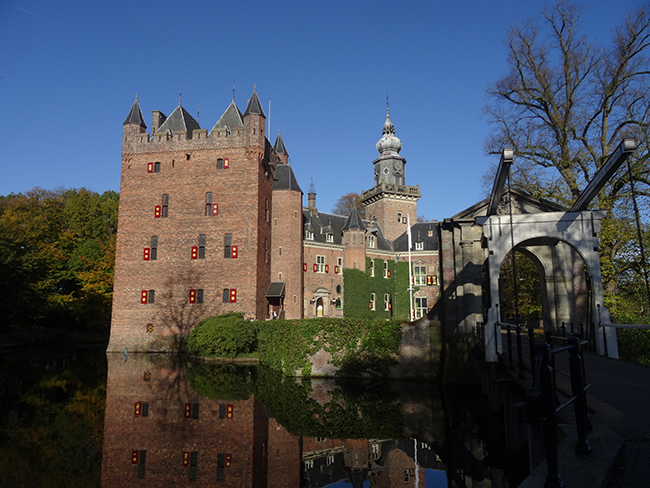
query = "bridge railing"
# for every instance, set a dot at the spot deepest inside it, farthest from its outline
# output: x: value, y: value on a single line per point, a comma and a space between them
x: 543, y: 405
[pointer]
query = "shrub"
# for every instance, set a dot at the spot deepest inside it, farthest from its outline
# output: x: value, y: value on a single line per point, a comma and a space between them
x: 226, y: 335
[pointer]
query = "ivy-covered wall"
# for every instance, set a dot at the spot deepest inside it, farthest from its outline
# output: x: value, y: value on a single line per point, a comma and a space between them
x: 358, y: 287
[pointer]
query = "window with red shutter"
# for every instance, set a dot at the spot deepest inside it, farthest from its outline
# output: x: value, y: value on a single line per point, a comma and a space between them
x: 226, y: 163
x: 149, y: 167
x: 233, y: 295
x: 144, y: 296
x: 192, y: 296
x: 304, y: 266
x: 157, y: 211
x: 233, y: 254
x: 195, y: 252
x: 147, y: 254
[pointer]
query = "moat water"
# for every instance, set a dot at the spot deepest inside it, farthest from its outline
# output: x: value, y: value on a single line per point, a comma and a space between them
x: 80, y: 418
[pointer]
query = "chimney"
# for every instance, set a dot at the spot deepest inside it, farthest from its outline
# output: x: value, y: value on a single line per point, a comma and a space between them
x: 158, y: 119
x: 311, y: 198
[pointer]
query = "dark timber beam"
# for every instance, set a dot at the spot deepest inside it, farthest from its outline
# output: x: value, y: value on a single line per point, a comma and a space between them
x: 499, y: 180
x: 618, y: 157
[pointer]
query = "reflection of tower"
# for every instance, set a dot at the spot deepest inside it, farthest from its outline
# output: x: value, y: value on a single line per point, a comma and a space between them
x: 390, y: 200
x: 158, y: 431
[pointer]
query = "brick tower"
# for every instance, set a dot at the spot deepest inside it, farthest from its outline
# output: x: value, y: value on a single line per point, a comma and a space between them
x: 195, y: 228
x: 390, y: 200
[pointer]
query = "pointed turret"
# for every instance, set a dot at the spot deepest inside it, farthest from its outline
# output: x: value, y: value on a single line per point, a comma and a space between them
x: 354, y: 221
x: 254, y: 106
x: 135, y: 115
x: 279, y: 145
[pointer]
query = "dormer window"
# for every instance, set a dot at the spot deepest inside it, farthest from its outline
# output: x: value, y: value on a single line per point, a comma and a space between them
x: 419, y: 246
x: 330, y: 237
x: 371, y: 242
x: 309, y: 235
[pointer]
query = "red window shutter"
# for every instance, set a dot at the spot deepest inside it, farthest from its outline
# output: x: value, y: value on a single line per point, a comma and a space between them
x: 215, y: 209
x: 429, y: 280
x: 147, y: 254
x: 156, y: 212
x: 226, y: 163
x: 188, y: 410
x: 186, y: 458
x: 336, y: 270
x: 412, y: 280
x: 304, y: 266
x: 315, y: 267
x: 229, y: 411
x: 195, y: 252
x: 233, y: 295
x: 144, y: 296
x: 135, y: 456
x: 327, y: 268
x: 390, y: 306
x: 149, y: 167
x: 388, y: 273
x: 137, y: 410
x: 233, y: 252
x: 228, y: 462
x: 192, y: 296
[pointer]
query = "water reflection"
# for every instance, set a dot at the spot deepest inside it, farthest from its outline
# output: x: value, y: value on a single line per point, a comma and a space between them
x: 172, y: 424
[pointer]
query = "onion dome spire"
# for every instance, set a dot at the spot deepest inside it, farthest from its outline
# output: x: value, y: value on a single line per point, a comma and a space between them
x: 388, y: 141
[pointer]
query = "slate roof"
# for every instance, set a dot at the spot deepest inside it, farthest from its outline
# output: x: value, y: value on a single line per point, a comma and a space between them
x: 354, y: 221
x: 135, y: 115
x: 275, y: 289
x: 284, y: 179
x: 419, y: 233
x: 279, y: 145
x: 231, y: 118
x: 323, y: 223
x: 254, y: 106
x: 179, y: 120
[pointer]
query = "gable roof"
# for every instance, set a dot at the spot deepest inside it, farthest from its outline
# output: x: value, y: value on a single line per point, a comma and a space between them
x: 419, y: 233
x: 179, y: 121
x: 525, y: 203
x: 232, y: 117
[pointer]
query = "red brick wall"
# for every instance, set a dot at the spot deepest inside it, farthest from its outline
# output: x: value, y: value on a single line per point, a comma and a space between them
x: 287, y: 234
x: 241, y: 192
x: 385, y: 211
x: 328, y: 281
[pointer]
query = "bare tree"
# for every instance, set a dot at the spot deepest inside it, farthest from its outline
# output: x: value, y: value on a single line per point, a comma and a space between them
x: 566, y: 103
x: 346, y: 203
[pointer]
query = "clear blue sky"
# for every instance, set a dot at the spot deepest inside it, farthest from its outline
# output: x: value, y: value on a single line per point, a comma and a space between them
x: 70, y: 70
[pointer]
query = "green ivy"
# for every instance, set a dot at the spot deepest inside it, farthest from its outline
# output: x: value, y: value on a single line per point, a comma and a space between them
x: 226, y: 335
x: 359, y: 285
x: 358, y: 346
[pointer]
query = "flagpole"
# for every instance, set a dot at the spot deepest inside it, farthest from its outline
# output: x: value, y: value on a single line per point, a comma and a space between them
x: 408, y: 233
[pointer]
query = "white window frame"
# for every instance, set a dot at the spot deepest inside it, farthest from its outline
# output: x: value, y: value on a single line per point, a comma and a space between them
x: 371, y: 242
x: 330, y: 237
x: 372, y: 301
x: 419, y: 246
x: 309, y: 235
x: 385, y: 269
x: 386, y: 301
x: 320, y: 264
x: 372, y: 268
x: 420, y: 275
x: 421, y: 306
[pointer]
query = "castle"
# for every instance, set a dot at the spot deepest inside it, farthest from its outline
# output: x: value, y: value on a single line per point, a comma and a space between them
x: 213, y: 221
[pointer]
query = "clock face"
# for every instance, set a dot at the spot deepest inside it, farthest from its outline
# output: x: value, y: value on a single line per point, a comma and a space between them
x: 397, y: 165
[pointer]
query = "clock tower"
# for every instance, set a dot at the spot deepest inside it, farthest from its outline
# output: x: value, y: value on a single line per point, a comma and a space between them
x: 390, y: 200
